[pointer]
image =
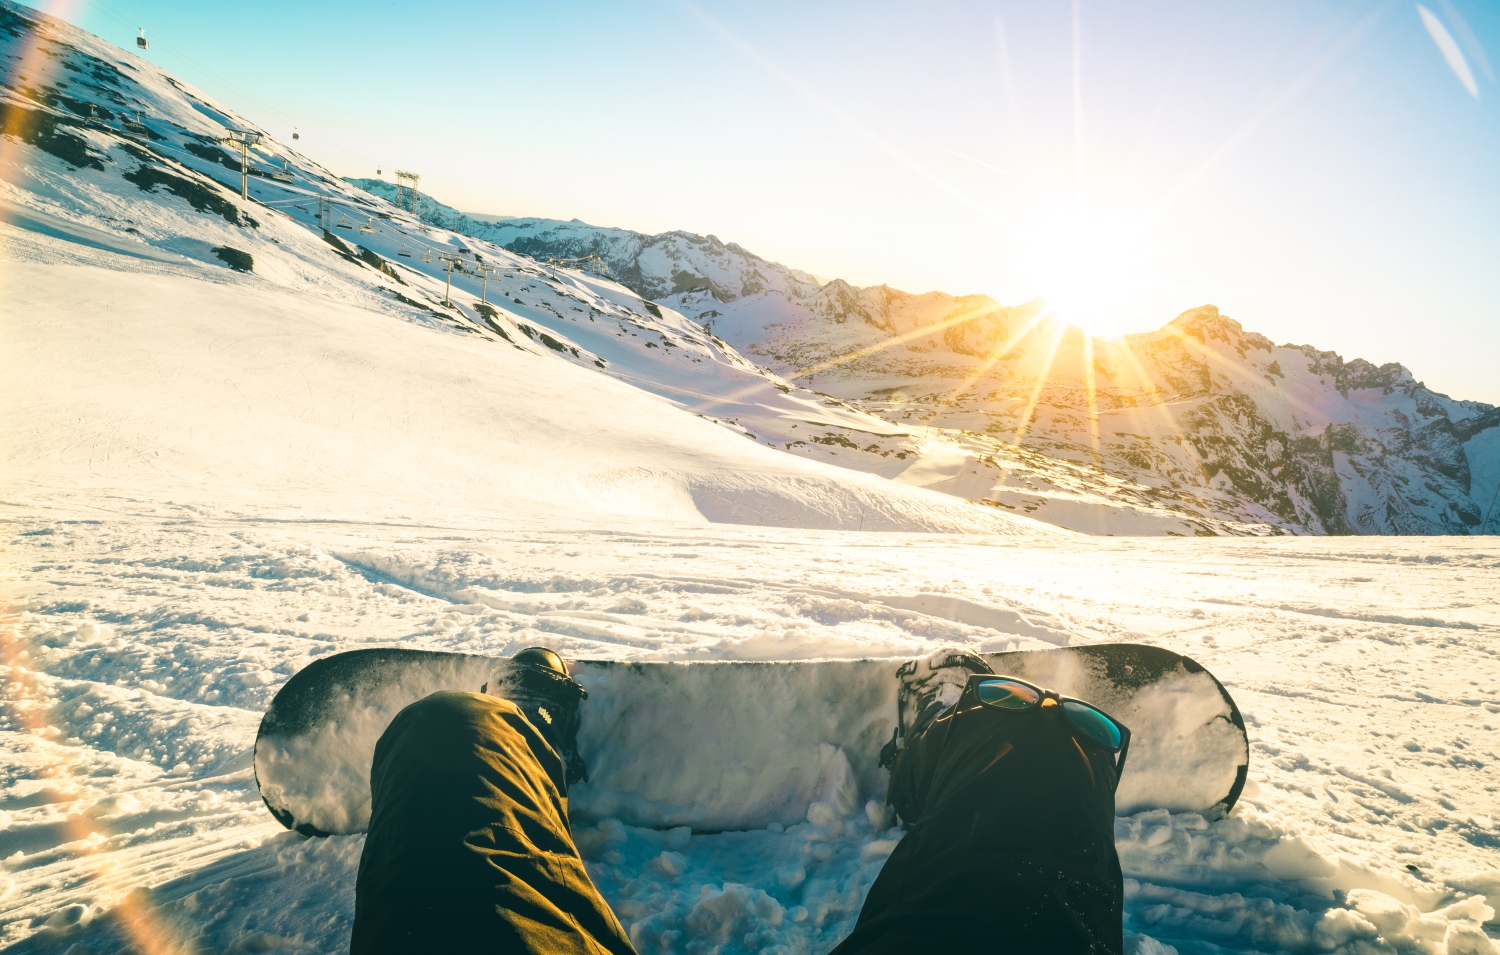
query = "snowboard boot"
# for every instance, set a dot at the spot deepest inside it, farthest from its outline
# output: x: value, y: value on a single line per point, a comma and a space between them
x: 537, y: 680
x: 929, y: 685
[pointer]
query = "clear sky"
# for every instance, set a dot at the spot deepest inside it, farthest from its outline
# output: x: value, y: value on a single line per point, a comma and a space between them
x: 1326, y: 172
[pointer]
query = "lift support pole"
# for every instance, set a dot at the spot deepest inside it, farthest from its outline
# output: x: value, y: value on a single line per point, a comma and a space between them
x: 406, y: 190
x: 450, y: 261
x: 243, y: 139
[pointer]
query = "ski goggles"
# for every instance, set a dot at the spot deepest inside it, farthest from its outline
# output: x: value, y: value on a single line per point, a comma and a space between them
x: 1014, y: 695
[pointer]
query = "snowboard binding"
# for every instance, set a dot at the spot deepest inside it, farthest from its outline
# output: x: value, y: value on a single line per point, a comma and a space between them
x: 929, y: 685
x: 537, y: 680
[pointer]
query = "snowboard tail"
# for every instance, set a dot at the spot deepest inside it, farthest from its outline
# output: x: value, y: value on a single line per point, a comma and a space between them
x: 738, y: 745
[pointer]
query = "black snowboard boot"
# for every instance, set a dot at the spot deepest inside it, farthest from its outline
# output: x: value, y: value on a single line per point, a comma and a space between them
x: 537, y: 680
x: 929, y: 685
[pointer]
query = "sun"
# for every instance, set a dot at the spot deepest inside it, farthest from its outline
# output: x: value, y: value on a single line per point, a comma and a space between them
x: 1087, y: 270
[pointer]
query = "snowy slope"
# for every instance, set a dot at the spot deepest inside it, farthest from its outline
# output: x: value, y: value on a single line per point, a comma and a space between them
x: 309, y: 406
x: 1200, y: 420
x: 487, y: 400
x: 209, y: 478
x: 707, y: 273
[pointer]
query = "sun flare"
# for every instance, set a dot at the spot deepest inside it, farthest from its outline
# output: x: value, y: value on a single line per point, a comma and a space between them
x: 1087, y: 269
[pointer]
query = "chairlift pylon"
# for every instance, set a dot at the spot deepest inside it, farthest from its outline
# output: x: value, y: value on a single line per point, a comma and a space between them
x: 134, y: 128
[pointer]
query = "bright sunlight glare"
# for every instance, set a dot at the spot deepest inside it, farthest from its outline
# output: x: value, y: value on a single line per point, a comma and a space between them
x: 1087, y: 269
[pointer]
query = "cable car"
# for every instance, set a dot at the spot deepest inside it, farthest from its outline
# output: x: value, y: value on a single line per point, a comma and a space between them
x: 296, y: 135
x: 141, y: 43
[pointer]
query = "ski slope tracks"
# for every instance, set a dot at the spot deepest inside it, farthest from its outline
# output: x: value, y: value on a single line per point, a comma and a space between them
x: 238, y: 437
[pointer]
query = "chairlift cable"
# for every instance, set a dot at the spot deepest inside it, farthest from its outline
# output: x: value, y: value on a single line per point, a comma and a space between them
x: 233, y: 87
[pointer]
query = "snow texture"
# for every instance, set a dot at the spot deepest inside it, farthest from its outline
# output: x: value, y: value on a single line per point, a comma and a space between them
x: 212, y: 477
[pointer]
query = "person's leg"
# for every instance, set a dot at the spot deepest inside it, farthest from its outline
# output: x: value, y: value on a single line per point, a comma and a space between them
x: 1010, y: 846
x: 468, y: 845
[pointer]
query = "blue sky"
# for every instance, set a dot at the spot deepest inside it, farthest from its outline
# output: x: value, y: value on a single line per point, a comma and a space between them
x: 1321, y: 171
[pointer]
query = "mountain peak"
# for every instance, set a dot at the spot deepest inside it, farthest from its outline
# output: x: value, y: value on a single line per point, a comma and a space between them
x: 1207, y: 324
x: 1203, y: 313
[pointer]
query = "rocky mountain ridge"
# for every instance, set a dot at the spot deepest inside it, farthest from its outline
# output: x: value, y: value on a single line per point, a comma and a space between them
x: 1200, y: 420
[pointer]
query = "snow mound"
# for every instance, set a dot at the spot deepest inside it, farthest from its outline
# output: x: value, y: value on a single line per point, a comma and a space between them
x: 226, y: 387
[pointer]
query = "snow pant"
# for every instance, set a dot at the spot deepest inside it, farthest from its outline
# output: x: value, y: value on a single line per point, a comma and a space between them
x: 469, y: 847
x: 1010, y: 842
x: 1010, y: 846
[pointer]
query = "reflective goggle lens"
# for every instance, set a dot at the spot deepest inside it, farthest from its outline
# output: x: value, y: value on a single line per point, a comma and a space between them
x: 1007, y: 695
x: 1093, y: 724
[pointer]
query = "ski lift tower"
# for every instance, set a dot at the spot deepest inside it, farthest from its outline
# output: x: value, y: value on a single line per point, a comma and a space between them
x: 450, y: 261
x: 244, y: 139
x: 406, y: 190
x: 485, y: 271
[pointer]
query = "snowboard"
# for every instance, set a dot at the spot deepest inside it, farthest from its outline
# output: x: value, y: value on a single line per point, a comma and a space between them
x: 720, y: 746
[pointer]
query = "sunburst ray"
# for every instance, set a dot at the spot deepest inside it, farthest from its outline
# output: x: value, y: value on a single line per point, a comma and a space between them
x: 1041, y: 382
x: 1286, y: 95
x: 1158, y: 404
x: 998, y: 355
x: 967, y: 315
x: 1091, y: 392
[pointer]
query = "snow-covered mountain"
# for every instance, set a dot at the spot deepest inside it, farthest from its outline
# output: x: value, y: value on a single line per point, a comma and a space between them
x: 673, y: 268
x: 108, y: 153
x: 1080, y: 497
x: 1198, y: 427
x: 1221, y: 421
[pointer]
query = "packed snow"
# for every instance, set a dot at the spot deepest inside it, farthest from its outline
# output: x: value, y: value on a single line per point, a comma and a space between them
x: 210, y: 478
